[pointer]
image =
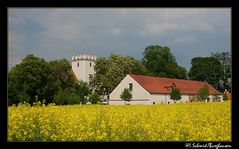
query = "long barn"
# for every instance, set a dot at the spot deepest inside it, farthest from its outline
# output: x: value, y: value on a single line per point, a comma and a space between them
x: 155, y: 90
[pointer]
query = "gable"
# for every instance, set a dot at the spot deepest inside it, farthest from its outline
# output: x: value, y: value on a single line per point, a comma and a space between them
x: 138, y: 92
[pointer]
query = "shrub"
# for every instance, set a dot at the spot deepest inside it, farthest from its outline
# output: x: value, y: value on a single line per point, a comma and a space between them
x: 94, y: 98
x: 203, y: 93
x: 24, y: 97
x: 60, y: 97
x: 175, y: 94
x: 67, y: 96
x: 126, y: 95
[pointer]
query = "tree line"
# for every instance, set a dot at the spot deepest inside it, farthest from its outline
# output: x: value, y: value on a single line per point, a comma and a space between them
x: 35, y: 79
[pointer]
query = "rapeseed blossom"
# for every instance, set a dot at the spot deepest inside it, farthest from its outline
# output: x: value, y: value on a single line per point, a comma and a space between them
x: 175, y: 122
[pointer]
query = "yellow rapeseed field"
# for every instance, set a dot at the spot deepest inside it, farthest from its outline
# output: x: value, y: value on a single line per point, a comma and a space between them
x: 174, y: 122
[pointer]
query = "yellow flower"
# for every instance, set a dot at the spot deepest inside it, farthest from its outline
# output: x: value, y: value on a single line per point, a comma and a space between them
x: 174, y: 122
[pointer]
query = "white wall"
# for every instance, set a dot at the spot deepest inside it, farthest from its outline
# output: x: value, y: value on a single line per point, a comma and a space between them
x: 78, y: 70
x: 141, y: 96
x: 160, y: 98
x: 211, y: 97
x: 132, y: 102
x: 82, y: 72
x: 138, y: 92
x: 89, y: 69
x: 185, y: 98
x: 165, y: 98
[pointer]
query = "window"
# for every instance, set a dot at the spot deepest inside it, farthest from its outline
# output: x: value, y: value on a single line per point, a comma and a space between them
x: 130, y: 86
x: 90, y: 64
x: 154, y: 103
x: 77, y: 64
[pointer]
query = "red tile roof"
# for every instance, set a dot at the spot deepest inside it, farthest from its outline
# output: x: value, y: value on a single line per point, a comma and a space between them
x: 159, y: 84
x: 228, y: 94
x: 73, y: 74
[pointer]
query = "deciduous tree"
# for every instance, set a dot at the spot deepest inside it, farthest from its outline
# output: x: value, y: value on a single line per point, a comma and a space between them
x: 111, y: 70
x: 207, y: 69
x: 31, y: 77
x: 159, y: 61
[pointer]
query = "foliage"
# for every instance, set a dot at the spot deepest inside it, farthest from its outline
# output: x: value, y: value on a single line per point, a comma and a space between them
x: 159, y: 61
x: 175, y: 94
x: 225, y: 59
x: 31, y: 77
x: 62, y: 72
x: 61, y: 97
x: 75, y: 95
x: 83, y: 90
x: 94, y: 98
x: 34, y: 79
x: 121, y: 123
x: 126, y: 95
x: 24, y: 97
x: 203, y: 93
x: 111, y: 70
x: 207, y: 69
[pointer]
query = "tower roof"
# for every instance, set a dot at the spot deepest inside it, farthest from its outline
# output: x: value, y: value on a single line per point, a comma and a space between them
x: 83, y: 57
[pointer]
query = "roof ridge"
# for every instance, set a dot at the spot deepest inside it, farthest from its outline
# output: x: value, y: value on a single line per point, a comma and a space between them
x: 171, y: 78
x: 155, y: 84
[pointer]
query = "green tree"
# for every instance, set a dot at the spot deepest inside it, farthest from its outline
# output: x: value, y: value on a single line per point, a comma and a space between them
x: 94, y: 98
x: 24, y: 97
x: 111, y: 70
x: 62, y: 72
x: 207, y: 69
x: 60, y: 97
x: 225, y: 59
x: 31, y: 77
x: 175, y: 94
x: 82, y: 89
x: 203, y: 93
x: 67, y: 96
x: 159, y: 61
x: 126, y: 95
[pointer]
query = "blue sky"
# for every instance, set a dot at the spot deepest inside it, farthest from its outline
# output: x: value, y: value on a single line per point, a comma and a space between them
x: 54, y: 33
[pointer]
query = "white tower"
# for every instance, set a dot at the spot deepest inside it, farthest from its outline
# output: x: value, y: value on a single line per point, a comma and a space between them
x: 83, y: 66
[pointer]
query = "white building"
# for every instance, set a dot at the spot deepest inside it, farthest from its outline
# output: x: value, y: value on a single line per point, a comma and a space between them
x: 154, y: 90
x: 83, y: 66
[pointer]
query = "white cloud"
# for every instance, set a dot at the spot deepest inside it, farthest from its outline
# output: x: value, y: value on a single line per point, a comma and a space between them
x: 201, y: 26
x: 115, y: 31
x: 185, y: 39
x: 61, y: 24
x: 50, y: 30
x: 166, y: 28
x: 159, y: 29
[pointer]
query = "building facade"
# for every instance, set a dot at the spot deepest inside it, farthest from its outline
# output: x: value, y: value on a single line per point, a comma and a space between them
x: 155, y: 90
x: 83, y: 66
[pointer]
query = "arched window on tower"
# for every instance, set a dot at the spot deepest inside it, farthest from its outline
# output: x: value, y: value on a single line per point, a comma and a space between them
x: 90, y: 64
x: 77, y: 64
